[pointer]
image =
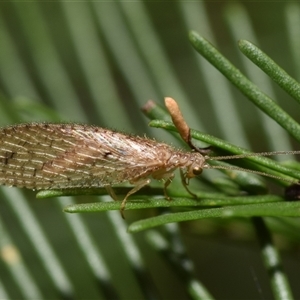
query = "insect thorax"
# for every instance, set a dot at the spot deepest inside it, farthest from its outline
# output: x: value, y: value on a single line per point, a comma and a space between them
x: 192, y: 162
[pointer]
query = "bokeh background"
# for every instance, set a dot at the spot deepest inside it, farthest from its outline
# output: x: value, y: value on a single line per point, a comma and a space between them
x: 98, y: 63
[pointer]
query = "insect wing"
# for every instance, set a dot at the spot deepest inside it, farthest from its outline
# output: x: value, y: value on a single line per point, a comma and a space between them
x: 56, y: 156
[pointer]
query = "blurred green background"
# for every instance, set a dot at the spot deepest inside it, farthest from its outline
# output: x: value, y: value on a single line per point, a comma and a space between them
x: 99, y: 63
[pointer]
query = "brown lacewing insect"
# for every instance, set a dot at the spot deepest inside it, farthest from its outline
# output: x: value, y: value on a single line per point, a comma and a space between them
x: 67, y: 156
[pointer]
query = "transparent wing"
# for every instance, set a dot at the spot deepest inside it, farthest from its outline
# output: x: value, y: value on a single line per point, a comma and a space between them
x: 60, y: 156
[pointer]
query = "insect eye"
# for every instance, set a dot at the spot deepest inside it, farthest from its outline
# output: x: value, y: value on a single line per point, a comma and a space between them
x: 197, y: 171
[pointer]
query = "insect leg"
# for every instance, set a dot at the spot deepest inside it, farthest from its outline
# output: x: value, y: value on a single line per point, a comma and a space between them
x: 185, y: 183
x: 167, y: 183
x: 111, y: 192
x: 137, y: 187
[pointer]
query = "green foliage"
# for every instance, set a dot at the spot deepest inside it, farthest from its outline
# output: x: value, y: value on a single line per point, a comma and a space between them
x: 99, y: 62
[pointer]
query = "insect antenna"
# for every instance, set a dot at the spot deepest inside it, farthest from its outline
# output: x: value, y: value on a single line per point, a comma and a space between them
x: 245, y: 155
x: 185, y: 132
x: 234, y: 168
